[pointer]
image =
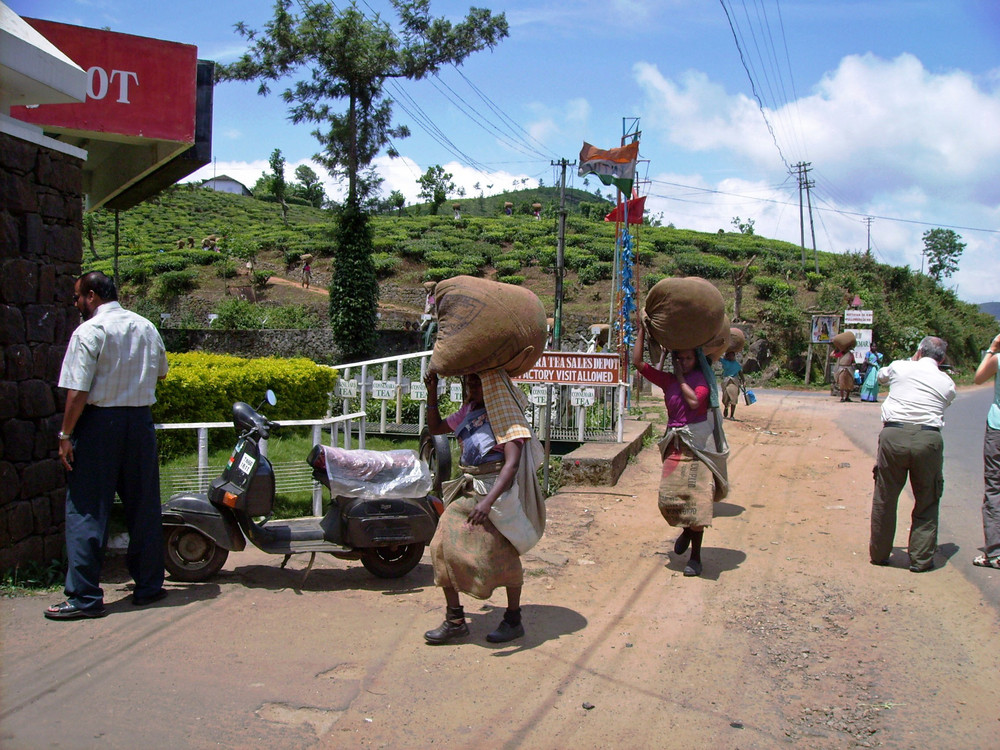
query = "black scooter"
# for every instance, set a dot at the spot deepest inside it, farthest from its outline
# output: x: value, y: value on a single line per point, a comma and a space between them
x: 388, y: 535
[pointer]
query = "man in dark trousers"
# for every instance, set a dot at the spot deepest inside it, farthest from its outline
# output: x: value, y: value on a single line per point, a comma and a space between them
x: 107, y: 444
x: 910, y: 443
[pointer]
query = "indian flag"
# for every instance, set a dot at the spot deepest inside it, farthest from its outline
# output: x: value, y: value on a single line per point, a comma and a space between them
x: 613, y: 166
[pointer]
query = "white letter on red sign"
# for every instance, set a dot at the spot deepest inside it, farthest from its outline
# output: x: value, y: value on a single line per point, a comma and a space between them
x: 102, y: 78
x: 123, y: 83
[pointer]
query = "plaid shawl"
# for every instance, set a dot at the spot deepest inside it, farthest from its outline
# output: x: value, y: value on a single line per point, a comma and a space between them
x: 505, y: 405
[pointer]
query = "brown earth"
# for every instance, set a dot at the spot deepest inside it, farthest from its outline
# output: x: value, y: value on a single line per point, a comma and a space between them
x: 790, y: 638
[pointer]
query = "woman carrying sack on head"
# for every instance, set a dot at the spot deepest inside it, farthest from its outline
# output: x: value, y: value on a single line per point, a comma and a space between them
x: 693, y: 449
x: 843, y: 373
x: 495, y: 512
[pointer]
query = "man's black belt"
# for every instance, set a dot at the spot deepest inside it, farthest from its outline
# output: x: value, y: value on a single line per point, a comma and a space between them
x: 904, y: 424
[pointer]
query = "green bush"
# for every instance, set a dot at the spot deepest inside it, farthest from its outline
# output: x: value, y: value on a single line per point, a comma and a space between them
x: 703, y: 265
x: 651, y: 279
x: 770, y: 288
x: 202, y: 387
x: 813, y: 280
x: 237, y: 314
x: 260, y: 279
x: 172, y: 284
x: 225, y: 268
x: 597, y: 271
x: 511, y: 279
x: 299, y: 317
x: 385, y: 264
x: 507, y: 267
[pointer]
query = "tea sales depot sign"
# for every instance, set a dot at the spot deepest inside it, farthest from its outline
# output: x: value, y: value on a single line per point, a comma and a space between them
x: 574, y: 368
x: 859, y: 317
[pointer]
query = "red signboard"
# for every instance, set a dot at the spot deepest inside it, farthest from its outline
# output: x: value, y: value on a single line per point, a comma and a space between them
x: 137, y: 87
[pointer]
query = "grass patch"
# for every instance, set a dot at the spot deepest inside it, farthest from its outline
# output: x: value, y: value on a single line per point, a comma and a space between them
x: 33, y: 578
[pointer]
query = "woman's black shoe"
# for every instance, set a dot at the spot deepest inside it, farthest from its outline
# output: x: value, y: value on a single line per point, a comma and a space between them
x: 505, y: 632
x: 447, y: 631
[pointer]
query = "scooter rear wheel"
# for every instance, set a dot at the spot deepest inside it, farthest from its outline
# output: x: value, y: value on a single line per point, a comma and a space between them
x: 436, y: 451
x: 392, y: 562
x: 190, y: 556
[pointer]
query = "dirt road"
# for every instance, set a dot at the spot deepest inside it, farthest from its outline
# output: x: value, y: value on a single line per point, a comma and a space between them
x: 789, y: 639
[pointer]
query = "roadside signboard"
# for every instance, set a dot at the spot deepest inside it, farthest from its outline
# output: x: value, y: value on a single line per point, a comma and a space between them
x: 581, y: 396
x: 824, y: 328
x: 859, y: 317
x: 418, y: 391
x: 574, y: 368
x: 538, y: 395
x: 864, y: 337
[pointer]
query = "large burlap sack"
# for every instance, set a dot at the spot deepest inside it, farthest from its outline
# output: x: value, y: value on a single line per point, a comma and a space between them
x: 684, y: 313
x: 845, y: 341
x: 719, y: 344
x: 484, y: 325
x: 737, y: 340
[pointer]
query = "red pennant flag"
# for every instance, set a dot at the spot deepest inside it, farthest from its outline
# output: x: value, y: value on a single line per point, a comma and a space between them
x: 636, y: 207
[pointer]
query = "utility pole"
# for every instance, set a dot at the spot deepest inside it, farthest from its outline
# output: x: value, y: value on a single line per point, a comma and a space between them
x: 868, y: 220
x: 802, y: 173
x: 560, y: 255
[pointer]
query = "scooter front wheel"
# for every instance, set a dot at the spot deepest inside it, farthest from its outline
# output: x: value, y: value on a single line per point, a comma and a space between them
x: 392, y: 562
x: 190, y: 556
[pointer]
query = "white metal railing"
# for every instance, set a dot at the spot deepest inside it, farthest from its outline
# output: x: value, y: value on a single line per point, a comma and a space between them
x: 289, y: 476
x: 601, y: 420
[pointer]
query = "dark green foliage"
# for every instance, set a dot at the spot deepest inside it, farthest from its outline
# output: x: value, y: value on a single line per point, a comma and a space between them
x: 172, y: 284
x: 651, y: 279
x: 813, y: 280
x: 701, y: 264
x: 511, y: 279
x: 353, y: 287
x: 596, y: 271
x: 770, y: 288
x: 385, y: 264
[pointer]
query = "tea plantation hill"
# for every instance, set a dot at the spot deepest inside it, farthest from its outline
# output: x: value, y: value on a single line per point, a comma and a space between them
x: 163, y: 268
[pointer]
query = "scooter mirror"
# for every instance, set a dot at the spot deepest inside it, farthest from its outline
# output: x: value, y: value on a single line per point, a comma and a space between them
x: 270, y: 397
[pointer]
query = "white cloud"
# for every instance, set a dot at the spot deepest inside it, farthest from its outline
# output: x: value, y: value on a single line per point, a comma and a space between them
x: 885, y: 137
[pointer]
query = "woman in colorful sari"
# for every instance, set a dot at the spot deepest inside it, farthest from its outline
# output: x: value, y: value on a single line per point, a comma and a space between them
x: 693, y: 449
x: 495, y: 512
x: 872, y: 363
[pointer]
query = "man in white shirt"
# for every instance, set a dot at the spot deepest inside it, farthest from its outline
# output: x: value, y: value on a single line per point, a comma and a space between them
x: 910, y: 444
x: 108, y: 444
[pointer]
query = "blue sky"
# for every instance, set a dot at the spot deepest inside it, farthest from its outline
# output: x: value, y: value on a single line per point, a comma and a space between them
x: 896, y: 104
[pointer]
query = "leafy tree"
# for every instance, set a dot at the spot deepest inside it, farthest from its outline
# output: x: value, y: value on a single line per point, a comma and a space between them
x: 435, y: 184
x: 263, y: 185
x: 309, y: 186
x: 743, y: 227
x: 397, y: 200
x: 349, y: 58
x: 90, y: 225
x: 943, y: 248
x: 277, y: 162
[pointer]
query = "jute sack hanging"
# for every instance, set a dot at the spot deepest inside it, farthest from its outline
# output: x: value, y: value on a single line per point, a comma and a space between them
x: 485, y: 325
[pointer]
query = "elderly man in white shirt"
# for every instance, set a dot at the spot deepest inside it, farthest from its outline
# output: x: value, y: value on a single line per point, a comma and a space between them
x: 910, y: 444
x: 108, y: 445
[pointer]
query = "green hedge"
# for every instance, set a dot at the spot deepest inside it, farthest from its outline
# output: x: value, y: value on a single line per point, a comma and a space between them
x: 703, y: 265
x: 202, y: 387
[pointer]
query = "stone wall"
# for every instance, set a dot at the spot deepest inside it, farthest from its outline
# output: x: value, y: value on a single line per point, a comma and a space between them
x: 40, y: 255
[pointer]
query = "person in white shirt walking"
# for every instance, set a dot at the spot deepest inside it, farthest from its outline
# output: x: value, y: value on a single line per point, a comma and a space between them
x: 108, y: 444
x: 910, y: 443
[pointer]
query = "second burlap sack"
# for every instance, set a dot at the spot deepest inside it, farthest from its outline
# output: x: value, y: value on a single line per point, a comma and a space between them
x: 684, y: 313
x: 485, y: 325
x: 844, y: 341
